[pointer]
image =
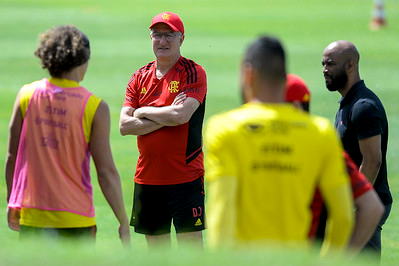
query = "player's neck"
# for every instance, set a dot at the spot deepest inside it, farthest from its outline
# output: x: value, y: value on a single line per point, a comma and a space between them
x: 267, y: 97
x: 75, y: 74
x: 352, y: 81
x: 71, y: 76
x: 163, y: 66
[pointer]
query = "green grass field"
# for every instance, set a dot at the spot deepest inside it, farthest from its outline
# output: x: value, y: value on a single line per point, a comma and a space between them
x: 217, y: 33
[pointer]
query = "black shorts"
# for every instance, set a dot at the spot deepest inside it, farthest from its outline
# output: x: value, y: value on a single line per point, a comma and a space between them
x: 155, y: 206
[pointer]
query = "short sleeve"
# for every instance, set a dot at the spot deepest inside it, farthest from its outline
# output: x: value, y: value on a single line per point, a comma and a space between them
x: 131, y: 98
x: 359, y: 182
x: 196, y: 83
x: 219, y: 157
x: 366, y: 120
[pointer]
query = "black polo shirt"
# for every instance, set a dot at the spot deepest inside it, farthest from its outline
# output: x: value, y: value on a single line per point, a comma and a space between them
x: 361, y: 115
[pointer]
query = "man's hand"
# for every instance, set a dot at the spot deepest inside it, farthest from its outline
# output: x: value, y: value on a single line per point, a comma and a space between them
x: 178, y: 113
x: 124, y: 235
x: 13, y: 216
x: 137, y: 113
x: 179, y: 99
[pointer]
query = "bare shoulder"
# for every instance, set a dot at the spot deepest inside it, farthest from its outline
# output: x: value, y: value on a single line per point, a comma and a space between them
x: 102, y: 109
x: 102, y: 117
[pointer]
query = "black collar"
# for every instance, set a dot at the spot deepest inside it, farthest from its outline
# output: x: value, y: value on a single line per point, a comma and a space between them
x: 352, y: 92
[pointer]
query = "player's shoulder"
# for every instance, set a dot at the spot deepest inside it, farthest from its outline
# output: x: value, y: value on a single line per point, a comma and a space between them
x: 190, y: 66
x: 33, y: 85
x: 321, y: 124
x: 142, y: 71
x: 94, y: 99
x: 231, y: 120
x: 366, y: 104
x: 189, y: 71
x: 28, y: 89
x: 26, y: 92
x: 147, y: 67
x: 186, y: 61
x: 364, y: 97
x: 367, y: 107
x: 223, y: 121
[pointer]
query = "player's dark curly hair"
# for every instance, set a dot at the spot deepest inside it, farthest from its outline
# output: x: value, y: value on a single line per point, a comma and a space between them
x: 62, y: 48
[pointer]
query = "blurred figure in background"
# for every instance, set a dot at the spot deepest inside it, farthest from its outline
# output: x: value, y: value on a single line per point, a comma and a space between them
x: 369, y: 207
x: 55, y: 126
x: 297, y: 92
x: 378, y: 16
x: 260, y: 165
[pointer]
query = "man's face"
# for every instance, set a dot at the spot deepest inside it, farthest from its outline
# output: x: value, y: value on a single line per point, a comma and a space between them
x: 165, y: 42
x: 334, y: 70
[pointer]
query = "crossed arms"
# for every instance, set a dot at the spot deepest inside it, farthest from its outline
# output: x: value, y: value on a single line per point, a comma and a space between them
x: 147, y: 119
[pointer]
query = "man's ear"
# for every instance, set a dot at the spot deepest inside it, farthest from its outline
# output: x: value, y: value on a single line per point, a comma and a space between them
x: 297, y: 104
x: 247, y: 81
x: 350, y: 66
x: 248, y: 75
x: 182, y: 39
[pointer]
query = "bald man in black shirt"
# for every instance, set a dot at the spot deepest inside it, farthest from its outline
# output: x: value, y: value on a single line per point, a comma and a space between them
x: 361, y: 123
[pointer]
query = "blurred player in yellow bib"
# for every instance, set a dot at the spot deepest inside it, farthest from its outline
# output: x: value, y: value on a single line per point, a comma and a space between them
x: 264, y: 161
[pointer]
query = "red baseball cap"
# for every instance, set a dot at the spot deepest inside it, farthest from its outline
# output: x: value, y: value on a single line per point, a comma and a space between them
x: 296, y: 89
x: 169, y: 18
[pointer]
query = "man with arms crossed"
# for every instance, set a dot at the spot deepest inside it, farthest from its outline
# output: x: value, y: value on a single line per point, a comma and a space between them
x: 361, y: 122
x: 261, y: 167
x: 164, y: 106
